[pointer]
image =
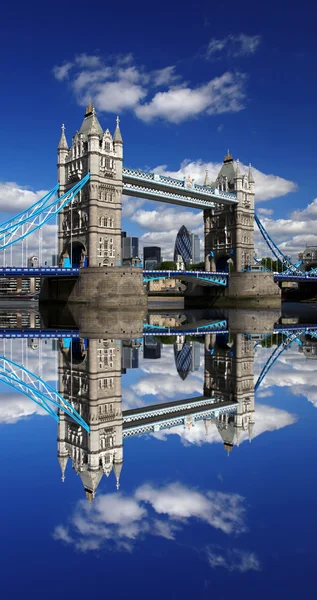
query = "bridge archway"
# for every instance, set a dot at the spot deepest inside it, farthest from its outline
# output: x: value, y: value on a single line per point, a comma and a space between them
x: 222, y: 264
x: 77, y: 254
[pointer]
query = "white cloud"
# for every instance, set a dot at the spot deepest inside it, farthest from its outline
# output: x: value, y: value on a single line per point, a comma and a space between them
x: 14, y: 197
x: 267, y: 212
x: 291, y: 371
x: 14, y: 407
x: 61, y: 534
x: 165, y: 76
x: 267, y: 418
x: 220, y: 510
x: 290, y: 234
x: 130, y: 205
x: 116, y: 96
x: 121, y: 520
x: 234, y: 560
x: 220, y: 95
x: 233, y: 45
x: 62, y: 72
x: 119, y: 84
x: 86, y: 60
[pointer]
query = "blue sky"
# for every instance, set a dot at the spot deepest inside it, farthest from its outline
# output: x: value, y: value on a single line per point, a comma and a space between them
x: 188, y: 82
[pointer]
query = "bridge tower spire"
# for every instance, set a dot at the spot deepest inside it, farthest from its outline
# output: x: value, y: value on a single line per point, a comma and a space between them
x: 90, y: 229
x: 229, y: 231
x: 90, y: 377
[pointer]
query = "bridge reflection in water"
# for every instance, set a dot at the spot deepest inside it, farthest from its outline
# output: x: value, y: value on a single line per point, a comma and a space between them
x: 92, y: 425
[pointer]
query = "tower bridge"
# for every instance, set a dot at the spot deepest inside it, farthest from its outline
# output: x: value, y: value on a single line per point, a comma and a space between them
x: 92, y: 179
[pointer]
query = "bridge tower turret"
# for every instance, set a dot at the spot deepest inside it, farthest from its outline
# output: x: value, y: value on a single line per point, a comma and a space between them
x: 90, y: 378
x: 229, y: 230
x: 90, y: 228
x: 229, y: 376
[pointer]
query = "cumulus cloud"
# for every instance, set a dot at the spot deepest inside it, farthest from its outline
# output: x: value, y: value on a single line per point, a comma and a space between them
x: 119, y: 84
x: 291, y: 234
x: 120, y: 520
x: 292, y: 371
x: 14, y: 407
x: 220, y: 95
x: 233, y: 46
x: 17, y: 198
x: 267, y: 418
x: 61, y: 72
x: 233, y: 560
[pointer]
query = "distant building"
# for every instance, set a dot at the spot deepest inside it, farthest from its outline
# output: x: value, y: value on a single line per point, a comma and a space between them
x: 33, y: 261
x: 187, y: 248
x: 195, y: 243
x: 130, y: 355
x: 309, y: 256
x: 183, y: 247
x: 150, y: 264
x: 151, y: 347
x: 130, y: 247
x: 151, y: 255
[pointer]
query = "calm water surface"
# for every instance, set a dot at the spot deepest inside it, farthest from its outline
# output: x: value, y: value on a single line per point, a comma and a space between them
x: 190, y: 483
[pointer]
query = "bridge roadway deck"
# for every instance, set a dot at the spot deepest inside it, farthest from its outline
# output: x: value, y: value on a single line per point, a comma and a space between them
x: 205, y: 278
x: 166, y: 420
x: 153, y: 186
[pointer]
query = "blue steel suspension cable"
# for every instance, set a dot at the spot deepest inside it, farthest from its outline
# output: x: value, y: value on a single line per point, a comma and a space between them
x: 41, y: 208
x: 59, y: 204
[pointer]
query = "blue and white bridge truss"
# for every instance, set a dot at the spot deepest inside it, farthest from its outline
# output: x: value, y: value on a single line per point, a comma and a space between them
x: 37, y: 215
x: 206, y: 277
x: 291, y: 335
x: 21, y: 379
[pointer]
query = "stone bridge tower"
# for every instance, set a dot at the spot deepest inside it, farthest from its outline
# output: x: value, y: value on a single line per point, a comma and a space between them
x: 90, y: 378
x: 90, y: 228
x: 229, y: 230
x: 229, y: 376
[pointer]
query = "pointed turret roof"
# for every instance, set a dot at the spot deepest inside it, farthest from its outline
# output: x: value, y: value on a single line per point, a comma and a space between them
x: 63, y: 142
x: 228, y: 169
x: 91, y: 480
x: 250, y: 174
x: 117, y: 467
x: 63, y: 462
x: 117, y: 133
x: 90, y: 124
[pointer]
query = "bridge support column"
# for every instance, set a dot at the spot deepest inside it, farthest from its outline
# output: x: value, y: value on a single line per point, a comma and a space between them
x: 101, y: 287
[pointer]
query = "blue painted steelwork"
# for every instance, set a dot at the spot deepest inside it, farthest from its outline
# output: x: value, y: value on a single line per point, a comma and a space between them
x: 39, y: 271
x: 40, y: 213
x: 274, y: 248
x: 304, y: 276
x: 215, y: 327
x: 292, y: 334
x: 212, y: 277
x: 274, y: 356
x: 19, y: 378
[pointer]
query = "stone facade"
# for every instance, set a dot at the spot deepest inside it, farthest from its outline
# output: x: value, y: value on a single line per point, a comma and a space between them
x: 229, y: 376
x: 90, y: 378
x: 90, y: 227
x: 229, y: 230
